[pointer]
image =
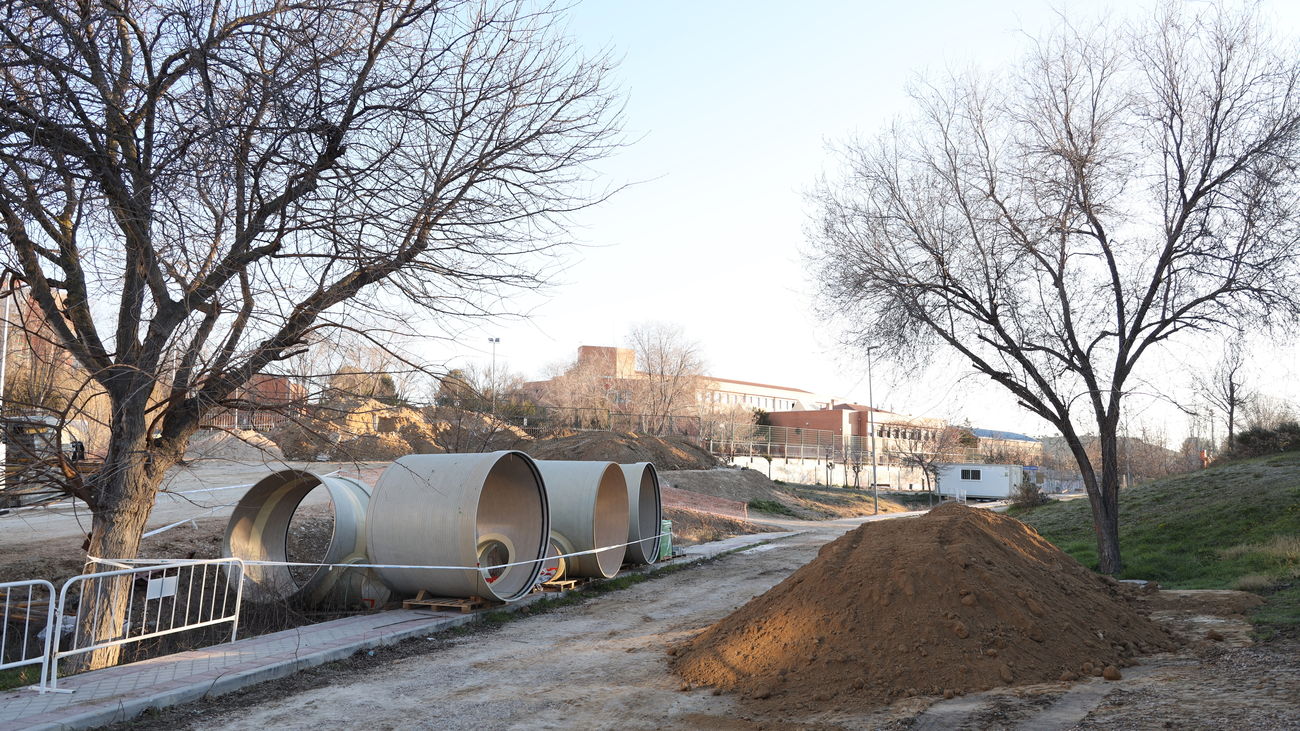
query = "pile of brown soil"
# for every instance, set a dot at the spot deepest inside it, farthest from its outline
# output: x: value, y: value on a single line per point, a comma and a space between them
x: 741, y: 485
x: 667, y: 453
x: 694, y: 501
x: 957, y: 600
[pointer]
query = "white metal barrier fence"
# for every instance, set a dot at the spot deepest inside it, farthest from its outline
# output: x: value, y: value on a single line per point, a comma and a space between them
x: 28, y: 630
x: 152, y: 601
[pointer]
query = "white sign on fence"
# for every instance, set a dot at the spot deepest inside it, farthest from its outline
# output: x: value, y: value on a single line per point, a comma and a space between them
x: 158, y: 588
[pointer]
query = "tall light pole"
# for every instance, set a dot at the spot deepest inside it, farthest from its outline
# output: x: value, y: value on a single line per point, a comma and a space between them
x: 871, y: 426
x: 493, y: 376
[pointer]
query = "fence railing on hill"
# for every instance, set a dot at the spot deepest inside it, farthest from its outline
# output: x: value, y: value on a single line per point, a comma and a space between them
x: 783, y: 442
x: 730, y: 438
x: 255, y: 419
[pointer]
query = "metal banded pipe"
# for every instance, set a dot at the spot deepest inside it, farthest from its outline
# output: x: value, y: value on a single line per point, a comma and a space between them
x: 645, y: 511
x: 482, y: 510
x: 258, y: 530
x: 588, y: 511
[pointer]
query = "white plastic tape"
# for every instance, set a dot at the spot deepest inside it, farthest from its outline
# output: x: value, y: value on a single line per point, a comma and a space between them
x: 126, y: 562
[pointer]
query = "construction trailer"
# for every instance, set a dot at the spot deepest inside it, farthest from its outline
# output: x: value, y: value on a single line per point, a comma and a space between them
x: 979, y: 481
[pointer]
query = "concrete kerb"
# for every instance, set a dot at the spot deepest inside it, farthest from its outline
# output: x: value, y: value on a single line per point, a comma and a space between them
x: 68, y: 711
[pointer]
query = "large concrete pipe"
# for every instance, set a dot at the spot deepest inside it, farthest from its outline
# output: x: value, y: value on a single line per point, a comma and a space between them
x: 645, y: 511
x: 588, y: 511
x: 258, y: 530
x: 482, y: 509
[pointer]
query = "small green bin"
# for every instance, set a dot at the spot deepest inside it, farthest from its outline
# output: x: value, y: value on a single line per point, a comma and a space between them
x: 666, y: 540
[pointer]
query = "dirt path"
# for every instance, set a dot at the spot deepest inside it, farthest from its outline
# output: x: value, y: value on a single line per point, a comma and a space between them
x: 602, y: 664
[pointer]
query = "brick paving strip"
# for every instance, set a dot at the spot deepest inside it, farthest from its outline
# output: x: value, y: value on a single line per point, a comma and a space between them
x: 121, y: 693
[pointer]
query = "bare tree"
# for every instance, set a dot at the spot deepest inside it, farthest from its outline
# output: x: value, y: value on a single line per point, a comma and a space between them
x: 1224, y: 388
x: 194, y: 191
x: 671, y: 368
x: 580, y: 391
x: 1053, y: 225
x: 928, y: 450
x: 1268, y: 412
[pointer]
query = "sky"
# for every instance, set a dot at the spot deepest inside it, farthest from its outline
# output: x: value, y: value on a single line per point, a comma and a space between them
x: 730, y: 111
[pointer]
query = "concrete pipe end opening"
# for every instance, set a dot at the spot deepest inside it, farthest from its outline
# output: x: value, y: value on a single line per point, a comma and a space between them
x: 645, y: 512
x: 261, y: 529
x: 479, y: 511
x: 588, y: 511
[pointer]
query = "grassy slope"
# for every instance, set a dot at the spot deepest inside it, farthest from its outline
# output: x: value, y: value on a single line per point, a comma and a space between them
x: 1231, y: 527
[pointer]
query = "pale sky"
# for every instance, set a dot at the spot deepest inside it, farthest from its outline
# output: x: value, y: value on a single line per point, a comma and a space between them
x: 730, y: 106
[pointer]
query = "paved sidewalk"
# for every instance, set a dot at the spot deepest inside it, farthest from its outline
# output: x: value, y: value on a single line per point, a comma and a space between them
x: 124, y: 692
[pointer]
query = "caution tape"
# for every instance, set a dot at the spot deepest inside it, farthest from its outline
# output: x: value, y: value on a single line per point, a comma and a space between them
x: 129, y: 562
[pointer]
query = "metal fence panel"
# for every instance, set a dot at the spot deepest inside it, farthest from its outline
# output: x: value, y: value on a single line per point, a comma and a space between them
x: 28, y: 613
x: 159, y: 600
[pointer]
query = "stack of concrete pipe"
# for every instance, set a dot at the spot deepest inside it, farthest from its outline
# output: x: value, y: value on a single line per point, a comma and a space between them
x: 509, y: 520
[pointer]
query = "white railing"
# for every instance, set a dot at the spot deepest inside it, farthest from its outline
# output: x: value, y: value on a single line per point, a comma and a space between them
x: 28, y: 613
x: 159, y: 600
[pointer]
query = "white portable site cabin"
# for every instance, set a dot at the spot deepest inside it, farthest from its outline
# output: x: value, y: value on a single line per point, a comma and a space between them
x: 985, y: 481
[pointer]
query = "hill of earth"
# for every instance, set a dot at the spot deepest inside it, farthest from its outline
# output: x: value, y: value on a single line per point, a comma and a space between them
x: 1232, y: 526
x: 958, y: 600
x: 667, y: 452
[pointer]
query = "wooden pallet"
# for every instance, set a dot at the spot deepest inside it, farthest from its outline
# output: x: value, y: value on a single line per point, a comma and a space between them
x: 437, y: 603
x: 561, y: 585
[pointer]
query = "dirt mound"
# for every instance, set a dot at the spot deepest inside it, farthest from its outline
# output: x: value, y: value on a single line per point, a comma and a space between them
x: 957, y: 600
x: 741, y: 485
x: 667, y: 453
x: 239, y: 445
x: 691, y: 527
x: 672, y: 497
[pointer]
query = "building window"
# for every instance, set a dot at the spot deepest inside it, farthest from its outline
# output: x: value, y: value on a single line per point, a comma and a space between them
x: 971, y: 475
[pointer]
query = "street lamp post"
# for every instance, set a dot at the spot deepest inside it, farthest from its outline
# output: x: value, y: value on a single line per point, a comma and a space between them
x: 871, y: 426
x: 493, y: 376
x: 4, y: 358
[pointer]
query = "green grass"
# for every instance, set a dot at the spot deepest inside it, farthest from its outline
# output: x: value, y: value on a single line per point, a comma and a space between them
x: 1236, y: 526
x: 20, y: 677
x: 773, y: 507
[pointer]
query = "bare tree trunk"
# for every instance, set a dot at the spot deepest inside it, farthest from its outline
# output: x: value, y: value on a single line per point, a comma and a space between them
x: 125, y: 488
x: 1232, y: 412
x: 1105, y: 506
x: 1103, y: 494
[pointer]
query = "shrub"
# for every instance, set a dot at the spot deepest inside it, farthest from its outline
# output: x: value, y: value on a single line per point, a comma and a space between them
x: 1027, y: 495
x: 772, y: 506
x: 1258, y: 441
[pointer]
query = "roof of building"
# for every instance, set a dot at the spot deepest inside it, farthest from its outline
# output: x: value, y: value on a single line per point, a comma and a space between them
x: 751, y: 383
x: 858, y: 407
x: 1009, y: 436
